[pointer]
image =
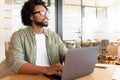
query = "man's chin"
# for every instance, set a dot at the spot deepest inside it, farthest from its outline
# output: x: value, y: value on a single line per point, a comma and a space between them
x: 46, y: 26
x: 42, y: 24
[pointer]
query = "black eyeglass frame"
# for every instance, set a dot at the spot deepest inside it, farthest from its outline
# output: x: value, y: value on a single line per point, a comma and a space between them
x: 42, y: 13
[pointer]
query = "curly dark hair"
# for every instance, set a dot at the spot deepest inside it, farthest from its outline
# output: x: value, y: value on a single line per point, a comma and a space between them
x: 28, y: 9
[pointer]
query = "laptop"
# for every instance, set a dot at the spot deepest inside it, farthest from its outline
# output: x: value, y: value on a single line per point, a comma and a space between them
x: 79, y: 62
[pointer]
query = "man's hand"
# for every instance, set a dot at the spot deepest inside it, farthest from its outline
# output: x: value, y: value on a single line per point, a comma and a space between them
x: 55, y: 69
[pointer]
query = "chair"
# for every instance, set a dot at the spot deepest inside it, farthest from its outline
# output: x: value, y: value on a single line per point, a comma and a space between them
x: 112, y: 52
x: 70, y: 44
x: 6, y: 48
x: 4, y: 68
x: 88, y: 43
x: 103, y: 50
x: 118, y: 56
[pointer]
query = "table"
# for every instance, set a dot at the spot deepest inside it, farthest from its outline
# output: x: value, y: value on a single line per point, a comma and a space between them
x: 98, y: 74
x: 25, y: 77
x: 101, y: 73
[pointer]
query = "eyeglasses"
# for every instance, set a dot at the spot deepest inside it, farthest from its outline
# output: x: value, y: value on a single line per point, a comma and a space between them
x: 42, y: 13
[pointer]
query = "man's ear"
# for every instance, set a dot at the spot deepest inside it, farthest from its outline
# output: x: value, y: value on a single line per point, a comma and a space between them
x: 31, y: 17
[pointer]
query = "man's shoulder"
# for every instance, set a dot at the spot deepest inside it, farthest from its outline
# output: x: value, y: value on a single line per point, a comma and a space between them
x: 20, y: 31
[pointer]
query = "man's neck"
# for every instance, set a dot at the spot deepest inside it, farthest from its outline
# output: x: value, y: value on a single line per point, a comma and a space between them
x: 38, y: 29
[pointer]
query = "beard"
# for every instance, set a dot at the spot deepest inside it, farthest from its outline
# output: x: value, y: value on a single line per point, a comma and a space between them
x: 41, y: 24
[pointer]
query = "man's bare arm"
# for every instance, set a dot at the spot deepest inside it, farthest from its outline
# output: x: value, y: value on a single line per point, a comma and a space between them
x: 28, y: 68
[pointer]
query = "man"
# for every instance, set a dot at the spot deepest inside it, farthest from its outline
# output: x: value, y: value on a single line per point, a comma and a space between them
x: 35, y: 50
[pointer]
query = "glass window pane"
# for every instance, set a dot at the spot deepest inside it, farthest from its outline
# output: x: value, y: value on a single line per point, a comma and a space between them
x: 71, y: 22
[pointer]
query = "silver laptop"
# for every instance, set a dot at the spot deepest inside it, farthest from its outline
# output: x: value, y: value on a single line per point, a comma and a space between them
x: 79, y: 62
